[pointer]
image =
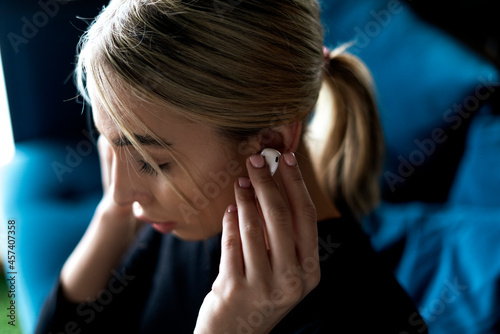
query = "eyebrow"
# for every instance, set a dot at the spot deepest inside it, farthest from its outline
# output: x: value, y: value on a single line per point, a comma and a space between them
x: 142, y: 139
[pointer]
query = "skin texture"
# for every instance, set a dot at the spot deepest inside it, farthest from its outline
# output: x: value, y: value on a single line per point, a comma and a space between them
x: 198, y: 149
x: 250, y: 274
x: 269, y: 243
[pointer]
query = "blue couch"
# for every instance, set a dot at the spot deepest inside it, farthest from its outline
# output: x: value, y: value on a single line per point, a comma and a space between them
x: 53, y: 183
x: 438, y: 225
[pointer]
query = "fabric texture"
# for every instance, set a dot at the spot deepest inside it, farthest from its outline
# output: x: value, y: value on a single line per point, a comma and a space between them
x: 163, y: 280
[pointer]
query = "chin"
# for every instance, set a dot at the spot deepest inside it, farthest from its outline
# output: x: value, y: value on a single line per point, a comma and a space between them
x: 195, y: 234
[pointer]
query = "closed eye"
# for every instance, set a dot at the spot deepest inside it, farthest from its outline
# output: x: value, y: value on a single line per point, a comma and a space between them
x: 148, y: 170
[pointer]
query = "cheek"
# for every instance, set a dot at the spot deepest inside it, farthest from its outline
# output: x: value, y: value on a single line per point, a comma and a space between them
x: 165, y: 196
x: 216, y: 186
x: 208, y: 198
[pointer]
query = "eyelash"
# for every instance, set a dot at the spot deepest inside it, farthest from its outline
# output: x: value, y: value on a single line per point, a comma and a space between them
x: 148, y: 170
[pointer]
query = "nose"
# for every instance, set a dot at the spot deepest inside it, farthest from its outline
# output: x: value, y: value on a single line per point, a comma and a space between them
x: 126, y: 185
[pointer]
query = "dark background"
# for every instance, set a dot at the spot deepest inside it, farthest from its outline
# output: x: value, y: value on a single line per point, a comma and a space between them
x: 38, y: 74
x: 474, y: 22
x: 48, y: 125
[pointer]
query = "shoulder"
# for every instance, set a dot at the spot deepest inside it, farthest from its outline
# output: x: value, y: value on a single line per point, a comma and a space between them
x: 340, y: 238
x: 357, y: 291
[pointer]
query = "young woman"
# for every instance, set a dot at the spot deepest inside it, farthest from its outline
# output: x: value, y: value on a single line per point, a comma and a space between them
x: 193, y: 232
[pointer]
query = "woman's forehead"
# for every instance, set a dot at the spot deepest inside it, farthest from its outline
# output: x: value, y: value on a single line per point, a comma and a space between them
x: 144, y: 119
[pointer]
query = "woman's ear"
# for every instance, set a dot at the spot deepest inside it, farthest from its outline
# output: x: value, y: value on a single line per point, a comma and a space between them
x: 283, y: 138
x: 291, y: 135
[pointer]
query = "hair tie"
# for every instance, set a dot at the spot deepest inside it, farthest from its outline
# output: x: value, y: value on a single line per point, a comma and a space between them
x: 326, y: 55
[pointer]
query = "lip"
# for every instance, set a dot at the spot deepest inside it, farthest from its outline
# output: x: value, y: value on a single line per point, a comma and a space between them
x: 162, y: 227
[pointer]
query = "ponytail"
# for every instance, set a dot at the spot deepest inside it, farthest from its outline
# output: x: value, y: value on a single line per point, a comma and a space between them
x: 350, y: 162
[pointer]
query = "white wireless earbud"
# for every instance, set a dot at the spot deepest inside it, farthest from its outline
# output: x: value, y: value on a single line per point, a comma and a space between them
x: 272, y: 158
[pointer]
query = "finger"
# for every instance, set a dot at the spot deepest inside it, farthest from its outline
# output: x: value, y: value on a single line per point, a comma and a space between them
x: 231, y: 264
x: 106, y: 160
x: 255, y: 256
x: 277, y: 215
x: 302, y: 207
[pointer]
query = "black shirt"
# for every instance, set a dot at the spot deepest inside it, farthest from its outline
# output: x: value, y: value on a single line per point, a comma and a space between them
x: 163, y: 280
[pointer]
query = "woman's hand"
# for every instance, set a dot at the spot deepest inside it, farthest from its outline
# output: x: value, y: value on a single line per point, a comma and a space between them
x: 114, y: 213
x: 108, y: 236
x: 114, y: 217
x: 267, y: 265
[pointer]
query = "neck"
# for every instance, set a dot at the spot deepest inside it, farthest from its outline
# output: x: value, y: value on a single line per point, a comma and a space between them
x: 324, y: 206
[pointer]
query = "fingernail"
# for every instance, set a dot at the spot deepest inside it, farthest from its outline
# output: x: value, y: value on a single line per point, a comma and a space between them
x: 137, y: 209
x: 244, y: 182
x: 232, y: 208
x: 290, y: 159
x: 257, y: 161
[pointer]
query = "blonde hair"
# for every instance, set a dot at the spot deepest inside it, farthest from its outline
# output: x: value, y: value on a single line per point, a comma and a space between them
x: 350, y: 161
x: 240, y: 69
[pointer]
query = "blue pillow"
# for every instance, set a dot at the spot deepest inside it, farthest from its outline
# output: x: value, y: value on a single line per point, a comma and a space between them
x: 422, y: 76
x: 478, y: 178
x: 447, y: 261
x: 51, y: 189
